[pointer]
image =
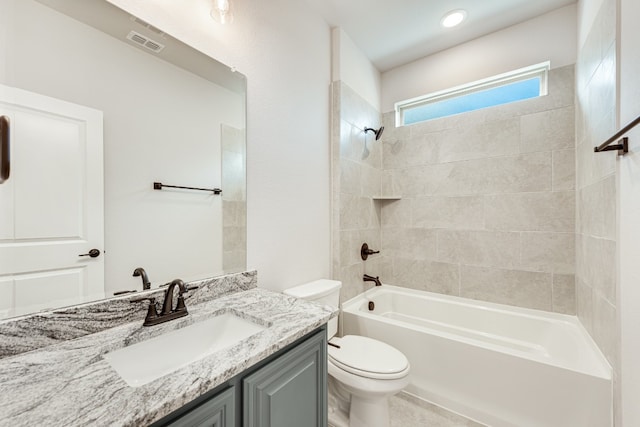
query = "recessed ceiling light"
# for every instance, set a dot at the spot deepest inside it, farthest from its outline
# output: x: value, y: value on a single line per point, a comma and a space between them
x: 453, y: 18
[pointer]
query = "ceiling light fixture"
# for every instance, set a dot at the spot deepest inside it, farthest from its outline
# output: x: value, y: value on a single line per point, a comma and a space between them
x: 453, y: 18
x: 221, y: 11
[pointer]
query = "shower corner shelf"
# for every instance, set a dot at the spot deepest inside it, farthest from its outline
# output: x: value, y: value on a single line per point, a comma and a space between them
x: 391, y: 198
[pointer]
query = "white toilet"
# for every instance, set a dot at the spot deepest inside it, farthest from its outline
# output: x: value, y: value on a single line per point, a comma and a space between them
x: 363, y: 372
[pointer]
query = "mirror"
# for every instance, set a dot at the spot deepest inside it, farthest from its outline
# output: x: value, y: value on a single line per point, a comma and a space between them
x: 102, y: 105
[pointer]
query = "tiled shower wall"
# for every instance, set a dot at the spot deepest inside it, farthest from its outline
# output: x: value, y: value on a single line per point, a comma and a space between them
x: 488, y: 202
x: 596, y: 185
x: 356, y: 174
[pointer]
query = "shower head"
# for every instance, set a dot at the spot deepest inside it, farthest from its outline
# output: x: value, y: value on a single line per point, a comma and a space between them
x: 377, y: 132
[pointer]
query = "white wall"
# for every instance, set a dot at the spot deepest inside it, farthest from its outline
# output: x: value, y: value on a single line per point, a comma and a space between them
x: 353, y: 68
x: 284, y: 50
x: 628, y: 214
x: 506, y: 50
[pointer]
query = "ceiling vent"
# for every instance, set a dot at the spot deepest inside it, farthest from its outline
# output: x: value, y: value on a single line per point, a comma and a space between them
x: 147, y: 25
x: 145, y: 42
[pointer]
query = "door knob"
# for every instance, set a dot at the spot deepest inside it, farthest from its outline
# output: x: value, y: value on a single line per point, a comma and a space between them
x: 93, y: 253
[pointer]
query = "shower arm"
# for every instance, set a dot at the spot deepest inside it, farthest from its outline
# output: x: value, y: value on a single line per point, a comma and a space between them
x: 377, y: 132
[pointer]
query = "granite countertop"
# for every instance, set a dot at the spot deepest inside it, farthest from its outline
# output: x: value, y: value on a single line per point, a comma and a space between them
x: 68, y: 383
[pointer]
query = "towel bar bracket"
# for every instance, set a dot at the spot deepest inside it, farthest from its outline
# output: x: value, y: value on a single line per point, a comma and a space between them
x: 622, y: 147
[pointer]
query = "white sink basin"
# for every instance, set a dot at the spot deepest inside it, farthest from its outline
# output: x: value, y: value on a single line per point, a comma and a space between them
x: 143, y: 362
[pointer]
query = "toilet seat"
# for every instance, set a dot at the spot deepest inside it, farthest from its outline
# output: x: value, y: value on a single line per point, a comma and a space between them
x: 368, y: 358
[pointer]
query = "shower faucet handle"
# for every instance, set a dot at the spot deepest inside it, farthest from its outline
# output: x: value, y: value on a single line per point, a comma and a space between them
x: 365, y: 252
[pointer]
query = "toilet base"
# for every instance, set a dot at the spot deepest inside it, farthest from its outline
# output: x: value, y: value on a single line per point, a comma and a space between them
x: 350, y: 410
x: 369, y: 412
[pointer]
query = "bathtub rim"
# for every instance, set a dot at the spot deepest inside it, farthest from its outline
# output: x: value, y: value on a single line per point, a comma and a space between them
x: 602, y: 370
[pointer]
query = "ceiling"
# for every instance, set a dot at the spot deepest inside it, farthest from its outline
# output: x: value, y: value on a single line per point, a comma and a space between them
x: 393, y: 33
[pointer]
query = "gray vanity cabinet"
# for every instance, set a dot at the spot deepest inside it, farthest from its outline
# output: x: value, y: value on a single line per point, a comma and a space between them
x: 287, y: 389
x: 219, y: 411
x: 290, y: 391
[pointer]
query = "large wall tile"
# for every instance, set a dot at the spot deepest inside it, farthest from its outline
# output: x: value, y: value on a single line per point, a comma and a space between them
x: 425, y: 275
x: 496, y: 138
x: 357, y: 212
x: 481, y: 248
x: 409, y: 243
x: 350, y: 177
x: 564, y: 170
x: 349, y: 149
x: 605, y: 327
x: 371, y: 181
x: 415, y: 151
x: 396, y: 213
x: 584, y: 304
x: 599, y: 268
x: 531, y: 211
x: 521, y: 288
x: 356, y: 110
x: 421, y: 180
x: 465, y: 212
x: 548, y: 130
x: 564, y: 293
x: 561, y: 87
x: 548, y: 252
x: 387, y: 186
x: 351, y: 278
x: 522, y: 173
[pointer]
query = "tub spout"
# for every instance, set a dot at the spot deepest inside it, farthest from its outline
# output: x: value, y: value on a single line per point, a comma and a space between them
x: 368, y: 278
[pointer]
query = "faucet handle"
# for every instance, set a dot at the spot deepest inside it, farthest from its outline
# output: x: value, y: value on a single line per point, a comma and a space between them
x: 152, y: 311
x: 180, y: 306
x: 365, y: 251
x: 188, y: 288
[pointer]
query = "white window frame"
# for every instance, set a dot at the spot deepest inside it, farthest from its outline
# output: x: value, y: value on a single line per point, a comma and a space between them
x: 538, y: 70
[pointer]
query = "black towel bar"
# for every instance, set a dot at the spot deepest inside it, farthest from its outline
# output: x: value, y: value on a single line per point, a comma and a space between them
x: 159, y: 186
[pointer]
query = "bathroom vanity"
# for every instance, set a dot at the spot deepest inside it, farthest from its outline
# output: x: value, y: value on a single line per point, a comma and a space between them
x: 286, y: 389
x: 56, y: 373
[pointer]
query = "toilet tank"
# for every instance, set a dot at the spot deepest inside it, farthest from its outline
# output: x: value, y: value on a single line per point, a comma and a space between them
x: 322, y: 291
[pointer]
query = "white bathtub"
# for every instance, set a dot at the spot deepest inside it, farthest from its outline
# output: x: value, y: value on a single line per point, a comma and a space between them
x: 497, y: 364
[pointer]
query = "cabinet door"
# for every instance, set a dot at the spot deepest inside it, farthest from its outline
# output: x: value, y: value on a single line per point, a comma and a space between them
x: 217, y: 412
x: 291, y: 391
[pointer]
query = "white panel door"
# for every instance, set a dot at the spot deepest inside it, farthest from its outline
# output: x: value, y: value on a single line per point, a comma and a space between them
x: 51, y: 207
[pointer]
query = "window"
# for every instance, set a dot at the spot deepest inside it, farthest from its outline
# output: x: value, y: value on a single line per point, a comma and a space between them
x: 525, y: 83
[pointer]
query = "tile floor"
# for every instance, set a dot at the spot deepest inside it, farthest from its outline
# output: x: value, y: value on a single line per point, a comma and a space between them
x: 409, y: 411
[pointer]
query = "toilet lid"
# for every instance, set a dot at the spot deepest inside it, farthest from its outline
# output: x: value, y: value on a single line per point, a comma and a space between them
x: 368, y: 357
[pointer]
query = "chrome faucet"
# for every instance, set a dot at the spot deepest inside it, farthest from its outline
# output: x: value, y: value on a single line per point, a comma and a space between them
x: 168, y: 312
x: 368, y: 278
